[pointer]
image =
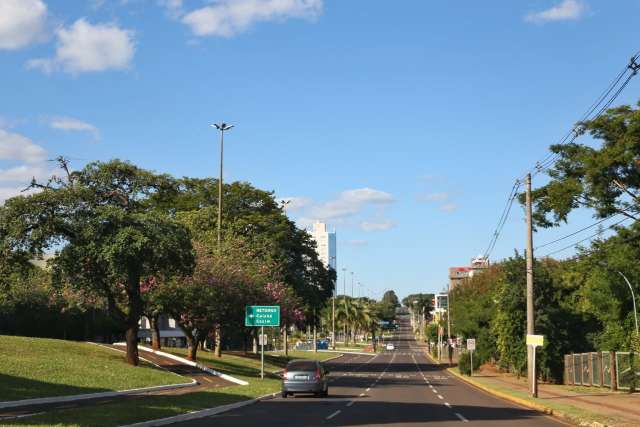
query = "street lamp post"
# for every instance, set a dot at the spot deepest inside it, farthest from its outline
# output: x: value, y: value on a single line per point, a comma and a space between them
x: 344, y: 281
x: 352, y: 284
x: 222, y: 127
x: 333, y: 311
x: 633, y: 297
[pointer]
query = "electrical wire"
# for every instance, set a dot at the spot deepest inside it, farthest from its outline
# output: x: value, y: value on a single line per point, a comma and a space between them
x: 503, y: 218
x: 585, y: 239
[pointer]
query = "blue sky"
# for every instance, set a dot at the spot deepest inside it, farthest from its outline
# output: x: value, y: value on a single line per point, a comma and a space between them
x: 402, y: 124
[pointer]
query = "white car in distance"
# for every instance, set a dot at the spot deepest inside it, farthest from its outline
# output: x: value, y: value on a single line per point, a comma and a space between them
x: 391, y: 346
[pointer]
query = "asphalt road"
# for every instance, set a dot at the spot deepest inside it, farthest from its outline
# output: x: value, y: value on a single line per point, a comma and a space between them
x: 394, y: 388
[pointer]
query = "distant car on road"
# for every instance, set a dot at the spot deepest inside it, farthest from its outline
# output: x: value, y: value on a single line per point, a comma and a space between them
x: 391, y: 346
x: 305, y: 376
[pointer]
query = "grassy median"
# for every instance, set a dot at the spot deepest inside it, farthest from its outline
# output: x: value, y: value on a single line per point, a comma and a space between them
x: 36, y: 367
x: 147, y: 408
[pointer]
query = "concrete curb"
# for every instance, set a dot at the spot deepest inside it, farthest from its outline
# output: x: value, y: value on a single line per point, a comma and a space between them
x: 203, y: 413
x: 505, y: 396
x: 190, y: 363
x: 77, y: 397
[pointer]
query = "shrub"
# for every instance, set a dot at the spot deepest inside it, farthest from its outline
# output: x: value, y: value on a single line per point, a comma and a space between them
x: 464, y: 363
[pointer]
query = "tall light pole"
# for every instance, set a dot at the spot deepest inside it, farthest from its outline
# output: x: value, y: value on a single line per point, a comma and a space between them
x: 633, y: 297
x: 333, y: 309
x: 222, y: 127
x: 352, y: 284
x: 344, y: 281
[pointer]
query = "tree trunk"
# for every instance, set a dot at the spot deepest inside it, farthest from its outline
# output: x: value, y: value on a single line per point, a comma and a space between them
x: 315, y: 339
x: 218, y: 351
x: 155, y: 332
x: 192, y: 347
x: 132, y: 345
x: 285, y: 344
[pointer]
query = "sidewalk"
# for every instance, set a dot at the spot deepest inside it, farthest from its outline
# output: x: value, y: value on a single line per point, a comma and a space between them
x: 577, y: 403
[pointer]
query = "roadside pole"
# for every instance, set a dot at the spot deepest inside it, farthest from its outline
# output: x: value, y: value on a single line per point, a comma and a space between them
x: 533, y: 342
x: 262, y: 352
x: 471, y: 346
x: 262, y: 315
x: 531, y: 370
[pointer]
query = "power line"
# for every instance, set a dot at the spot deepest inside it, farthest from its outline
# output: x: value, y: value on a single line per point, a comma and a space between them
x: 572, y: 135
x: 577, y: 232
x: 587, y: 238
x: 503, y: 218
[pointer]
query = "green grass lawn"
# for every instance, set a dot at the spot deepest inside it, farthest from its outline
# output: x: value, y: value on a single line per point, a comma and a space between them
x: 127, y: 412
x: 572, y: 413
x: 36, y: 367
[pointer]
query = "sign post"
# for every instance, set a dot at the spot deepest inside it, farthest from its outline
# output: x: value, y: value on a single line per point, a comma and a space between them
x: 262, y: 315
x: 534, y: 341
x: 471, y: 346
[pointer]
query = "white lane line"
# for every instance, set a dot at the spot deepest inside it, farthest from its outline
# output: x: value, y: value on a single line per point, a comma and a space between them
x: 440, y: 397
x: 434, y: 390
x: 368, y: 389
x: 351, y: 402
x: 447, y: 405
x: 430, y: 386
x: 463, y: 419
x: 334, y: 414
x: 362, y: 394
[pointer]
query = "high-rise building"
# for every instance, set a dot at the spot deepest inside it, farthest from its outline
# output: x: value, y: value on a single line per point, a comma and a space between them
x: 325, y: 244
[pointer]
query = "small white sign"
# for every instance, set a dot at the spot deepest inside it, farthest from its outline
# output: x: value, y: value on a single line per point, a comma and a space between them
x: 471, y: 344
x: 262, y: 339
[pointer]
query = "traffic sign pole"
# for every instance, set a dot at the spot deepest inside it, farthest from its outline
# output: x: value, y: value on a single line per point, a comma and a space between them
x: 262, y: 352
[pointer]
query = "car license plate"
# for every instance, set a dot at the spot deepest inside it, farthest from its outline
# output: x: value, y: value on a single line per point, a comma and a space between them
x: 301, y: 377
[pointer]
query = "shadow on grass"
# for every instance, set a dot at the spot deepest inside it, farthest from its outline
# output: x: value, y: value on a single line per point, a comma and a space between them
x: 18, y: 388
x: 130, y: 410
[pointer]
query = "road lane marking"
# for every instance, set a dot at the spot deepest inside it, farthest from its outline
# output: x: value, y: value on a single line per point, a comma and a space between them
x: 447, y: 405
x: 430, y: 386
x: 362, y: 394
x: 434, y: 390
x: 368, y: 389
x: 351, y: 402
x: 334, y: 414
x: 440, y: 397
x: 463, y: 419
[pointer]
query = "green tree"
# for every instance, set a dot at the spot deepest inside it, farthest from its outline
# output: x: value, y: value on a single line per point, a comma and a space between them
x: 109, y: 234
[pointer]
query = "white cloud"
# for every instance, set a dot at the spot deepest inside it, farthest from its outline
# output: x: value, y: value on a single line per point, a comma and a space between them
x: 377, y: 226
x: 71, y: 124
x: 357, y: 242
x: 22, y: 22
x: 17, y: 147
x: 174, y: 7
x: 295, y: 203
x: 448, y: 207
x: 32, y: 159
x: 226, y: 18
x: 432, y: 197
x: 85, y: 47
x: 351, y: 202
x: 567, y: 10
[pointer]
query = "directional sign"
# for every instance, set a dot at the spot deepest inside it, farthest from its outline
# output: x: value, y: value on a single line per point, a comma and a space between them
x: 262, y: 315
x: 535, y: 340
x: 471, y: 344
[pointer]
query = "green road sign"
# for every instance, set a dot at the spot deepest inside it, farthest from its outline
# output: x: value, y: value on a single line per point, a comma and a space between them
x: 262, y: 315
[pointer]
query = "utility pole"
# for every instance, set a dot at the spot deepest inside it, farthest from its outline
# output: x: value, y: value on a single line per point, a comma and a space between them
x: 448, y: 311
x: 531, y: 368
x: 222, y: 127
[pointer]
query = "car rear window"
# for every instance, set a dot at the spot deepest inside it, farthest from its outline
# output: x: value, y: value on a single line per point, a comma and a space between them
x: 301, y: 365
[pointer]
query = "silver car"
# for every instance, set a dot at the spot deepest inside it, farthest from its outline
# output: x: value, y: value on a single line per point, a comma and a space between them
x: 305, y: 376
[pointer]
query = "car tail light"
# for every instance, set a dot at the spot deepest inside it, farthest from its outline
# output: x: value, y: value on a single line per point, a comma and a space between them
x: 284, y: 373
x: 317, y: 373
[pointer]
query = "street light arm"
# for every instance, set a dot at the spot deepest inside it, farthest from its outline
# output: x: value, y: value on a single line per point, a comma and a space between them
x: 633, y: 297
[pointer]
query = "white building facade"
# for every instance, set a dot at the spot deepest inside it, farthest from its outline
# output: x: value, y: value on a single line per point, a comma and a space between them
x: 325, y: 244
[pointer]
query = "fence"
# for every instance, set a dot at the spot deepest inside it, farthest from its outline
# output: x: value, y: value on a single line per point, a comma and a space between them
x: 616, y: 370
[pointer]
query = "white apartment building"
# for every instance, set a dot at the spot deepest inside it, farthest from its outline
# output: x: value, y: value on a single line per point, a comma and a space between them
x: 325, y: 244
